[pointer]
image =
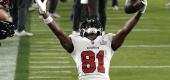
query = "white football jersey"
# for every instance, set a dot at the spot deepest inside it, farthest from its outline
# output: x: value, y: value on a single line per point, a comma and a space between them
x: 92, y: 58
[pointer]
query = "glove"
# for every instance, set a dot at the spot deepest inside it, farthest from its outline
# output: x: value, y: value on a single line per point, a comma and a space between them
x: 42, y: 6
x: 84, y: 1
x: 6, y: 29
x: 145, y: 3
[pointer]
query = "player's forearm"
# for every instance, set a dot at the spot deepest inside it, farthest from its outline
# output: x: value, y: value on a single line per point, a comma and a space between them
x: 52, y: 25
x: 63, y: 38
x: 121, y: 35
x: 131, y: 23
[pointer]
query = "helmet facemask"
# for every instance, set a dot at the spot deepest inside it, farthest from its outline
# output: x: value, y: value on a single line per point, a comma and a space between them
x: 90, y: 26
x: 6, y: 29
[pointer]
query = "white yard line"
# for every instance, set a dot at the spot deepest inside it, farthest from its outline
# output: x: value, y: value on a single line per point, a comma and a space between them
x: 49, y: 57
x: 52, y: 67
x: 44, y: 46
x: 56, y: 77
x: 50, y: 72
x: 44, y: 54
x: 8, y: 55
x: 142, y: 67
x: 148, y: 46
x: 145, y: 46
x: 132, y: 67
x: 136, y: 30
x: 49, y: 62
x: 43, y: 49
x: 46, y: 42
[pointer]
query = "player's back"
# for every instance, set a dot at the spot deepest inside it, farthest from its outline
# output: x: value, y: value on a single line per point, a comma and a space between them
x: 92, y: 57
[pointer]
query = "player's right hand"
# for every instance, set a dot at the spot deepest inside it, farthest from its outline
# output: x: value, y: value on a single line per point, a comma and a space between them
x: 42, y: 6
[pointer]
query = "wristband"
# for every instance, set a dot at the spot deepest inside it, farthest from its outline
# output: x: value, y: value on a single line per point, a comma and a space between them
x: 48, y: 20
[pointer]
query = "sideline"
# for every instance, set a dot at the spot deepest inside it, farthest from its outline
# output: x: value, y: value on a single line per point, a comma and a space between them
x: 8, y: 57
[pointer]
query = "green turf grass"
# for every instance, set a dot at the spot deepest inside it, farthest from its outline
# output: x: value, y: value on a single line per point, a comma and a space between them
x: 22, y: 68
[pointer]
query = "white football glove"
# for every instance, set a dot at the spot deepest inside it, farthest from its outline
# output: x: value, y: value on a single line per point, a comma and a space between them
x: 84, y: 1
x: 145, y: 6
x: 42, y: 6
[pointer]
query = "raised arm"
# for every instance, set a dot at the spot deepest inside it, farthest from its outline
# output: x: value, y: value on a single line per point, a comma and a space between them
x: 120, y: 36
x: 61, y: 35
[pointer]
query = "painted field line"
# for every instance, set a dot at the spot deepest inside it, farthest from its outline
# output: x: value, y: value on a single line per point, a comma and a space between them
x: 132, y: 67
x: 51, y: 72
x: 46, y: 54
x: 49, y: 62
x: 7, y: 63
x: 41, y: 46
x: 37, y: 50
x: 49, y: 57
x: 43, y: 39
x: 56, y: 77
x: 142, y: 67
x: 118, y: 18
x: 137, y: 30
x: 52, y: 66
x: 46, y: 49
x: 145, y: 46
x: 11, y: 57
x: 4, y: 71
x: 148, y: 46
x: 46, y: 42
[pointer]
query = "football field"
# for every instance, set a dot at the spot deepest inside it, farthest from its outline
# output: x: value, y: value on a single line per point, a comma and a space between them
x: 145, y: 55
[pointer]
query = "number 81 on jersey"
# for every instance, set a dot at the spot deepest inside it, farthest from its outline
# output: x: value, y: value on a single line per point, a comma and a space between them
x: 88, y: 61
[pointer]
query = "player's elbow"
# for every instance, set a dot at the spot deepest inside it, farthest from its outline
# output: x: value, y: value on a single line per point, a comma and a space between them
x: 123, y: 32
x: 69, y: 49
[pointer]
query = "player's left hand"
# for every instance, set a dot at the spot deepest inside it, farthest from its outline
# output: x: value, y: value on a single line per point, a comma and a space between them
x: 145, y: 3
x: 42, y: 6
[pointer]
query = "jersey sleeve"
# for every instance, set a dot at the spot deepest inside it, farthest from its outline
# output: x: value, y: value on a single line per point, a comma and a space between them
x: 110, y: 36
x: 75, y: 40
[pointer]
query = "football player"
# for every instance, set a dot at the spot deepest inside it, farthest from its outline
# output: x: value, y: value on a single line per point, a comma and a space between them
x: 115, y: 5
x: 19, y: 14
x: 6, y: 27
x: 88, y: 9
x: 52, y: 8
x: 91, y: 50
x: 96, y: 8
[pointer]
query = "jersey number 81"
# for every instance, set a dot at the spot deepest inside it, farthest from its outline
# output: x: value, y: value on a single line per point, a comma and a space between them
x: 88, y: 61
